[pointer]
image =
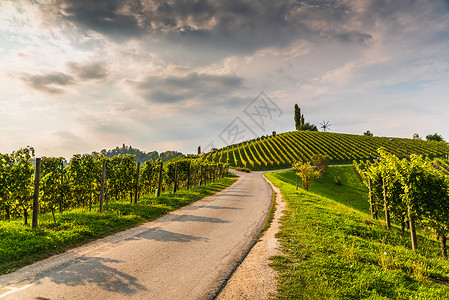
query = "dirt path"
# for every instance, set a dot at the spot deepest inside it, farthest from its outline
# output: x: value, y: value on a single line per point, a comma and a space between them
x: 254, y: 279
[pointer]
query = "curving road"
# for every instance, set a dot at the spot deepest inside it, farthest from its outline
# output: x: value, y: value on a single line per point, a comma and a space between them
x: 187, y: 254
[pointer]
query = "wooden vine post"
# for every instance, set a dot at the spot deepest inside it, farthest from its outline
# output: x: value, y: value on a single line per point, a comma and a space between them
x: 61, y: 198
x: 194, y: 175
x: 371, y: 209
x: 159, y: 186
x: 136, y: 188
x: 106, y: 195
x: 36, y: 193
x: 103, y: 179
x: 443, y: 246
x: 387, y: 213
x: 188, y: 176
x: 411, y: 218
x: 175, y: 187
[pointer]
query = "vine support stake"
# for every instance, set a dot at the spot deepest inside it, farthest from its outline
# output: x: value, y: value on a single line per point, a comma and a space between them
x: 36, y: 192
x: 61, y: 198
x: 188, y: 176
x: 103, y: 177
x: 159, y: 186
x: 370, y: 199
x: 136, y: 191
x: 175, y: 187
x: 387, y: 213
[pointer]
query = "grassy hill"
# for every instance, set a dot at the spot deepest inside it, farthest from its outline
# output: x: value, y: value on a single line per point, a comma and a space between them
x: 277, y: 151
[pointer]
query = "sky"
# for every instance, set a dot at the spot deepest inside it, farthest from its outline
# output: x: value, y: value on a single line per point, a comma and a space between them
x: 78, y: 76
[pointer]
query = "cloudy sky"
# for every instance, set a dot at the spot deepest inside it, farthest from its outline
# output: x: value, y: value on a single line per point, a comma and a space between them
x: 78, y: 76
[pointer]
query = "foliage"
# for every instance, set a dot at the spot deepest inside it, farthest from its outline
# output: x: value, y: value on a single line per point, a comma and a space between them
x: 321, y: 162
x: 308, y: 127
x: 297, y: 117
x: 415, y: 189
x: 306, y: 172
x: 20, y: 245
x: 332, y: 249
x: 434, y: 137
x: 300, y: 123
x: 79, y: 184
x: 140, y: 156
x: 276, y: 152
x: 368, y: 133
x: 337, y: 180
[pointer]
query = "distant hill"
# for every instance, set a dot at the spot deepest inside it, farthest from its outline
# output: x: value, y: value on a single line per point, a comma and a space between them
x: 281, y: 150
x: 141, y: 156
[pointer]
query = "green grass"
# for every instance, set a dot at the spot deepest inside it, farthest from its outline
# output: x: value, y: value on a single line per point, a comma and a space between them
x: 332, y: 249
x: 20, y: 245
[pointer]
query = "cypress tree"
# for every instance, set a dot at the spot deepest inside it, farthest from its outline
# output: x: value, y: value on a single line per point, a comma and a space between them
x: 297, y: 117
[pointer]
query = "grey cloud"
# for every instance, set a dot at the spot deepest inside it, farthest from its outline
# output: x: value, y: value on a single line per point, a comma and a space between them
x: 89, y: 71
x: 237, y: 25
x: 114, y: 18
x: 172, y: 89
x: 51, y: 83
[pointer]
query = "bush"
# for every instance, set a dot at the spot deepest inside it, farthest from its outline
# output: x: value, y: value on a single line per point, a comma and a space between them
x: 243, y: 169
x: 337, y: 180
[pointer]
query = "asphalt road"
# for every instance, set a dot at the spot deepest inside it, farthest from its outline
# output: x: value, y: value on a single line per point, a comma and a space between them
x: 187, y: 254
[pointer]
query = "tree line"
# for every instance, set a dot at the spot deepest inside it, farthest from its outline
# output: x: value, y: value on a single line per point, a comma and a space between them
x: 412, y: 191
x: 91, y: 179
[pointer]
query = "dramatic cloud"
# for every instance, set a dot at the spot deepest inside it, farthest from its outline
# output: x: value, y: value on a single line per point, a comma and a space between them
x: 173, y: 74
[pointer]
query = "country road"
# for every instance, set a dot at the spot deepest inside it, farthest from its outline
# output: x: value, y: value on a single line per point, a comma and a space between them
x: 187, y: 254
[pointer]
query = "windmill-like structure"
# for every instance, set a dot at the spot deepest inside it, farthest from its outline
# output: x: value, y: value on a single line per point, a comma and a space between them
x: 325, y: 126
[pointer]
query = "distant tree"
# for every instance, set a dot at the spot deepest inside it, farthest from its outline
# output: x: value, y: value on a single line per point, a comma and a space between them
x: 416, y: 136
x: 434, y: 137
x: 306, y: 172
x: 297, y: 117
x: 274, y: 133
x: 300, y: 123
x: 308, y: 127
x: 199, y: 150
x: 140, y: 156
x: 368, y: 133
x: 321, y: 162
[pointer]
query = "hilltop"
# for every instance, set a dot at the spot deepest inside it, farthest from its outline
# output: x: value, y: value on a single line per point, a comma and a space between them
x: 281, y: 150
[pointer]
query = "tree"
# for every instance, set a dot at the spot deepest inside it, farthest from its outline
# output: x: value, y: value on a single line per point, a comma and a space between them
x: 306, y: 172
x: 297, y: 117
x: 368, y: 133
x: 434, y: 137
x: 321, y: 162
x: 300, y: 123
x: 199, y: 150
x: 416, y: 136
x: 308, y: 127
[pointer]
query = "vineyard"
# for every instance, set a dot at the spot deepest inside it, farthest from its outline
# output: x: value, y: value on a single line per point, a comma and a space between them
x: 90, y: 180
x: 280, y: 151
x: 413, y: 192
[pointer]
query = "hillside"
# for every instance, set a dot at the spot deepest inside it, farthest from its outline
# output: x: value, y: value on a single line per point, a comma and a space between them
x: 271, y: 152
